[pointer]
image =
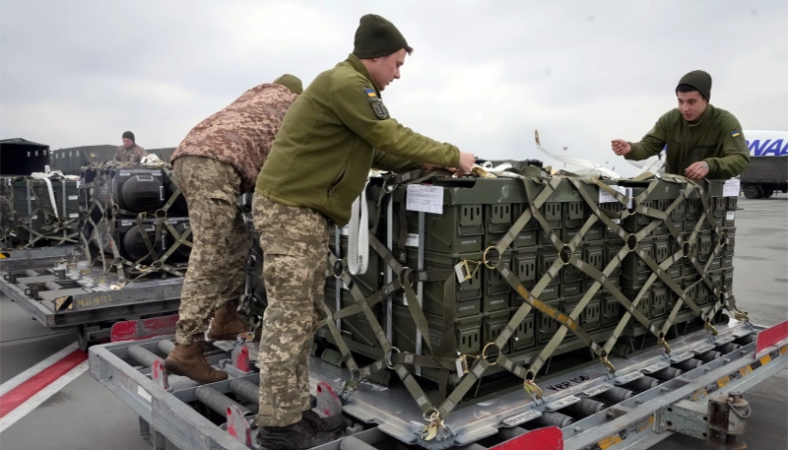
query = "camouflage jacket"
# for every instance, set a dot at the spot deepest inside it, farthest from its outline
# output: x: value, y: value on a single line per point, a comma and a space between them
x: 716, y: 138
x: 241, y: 134
x: 134, y: 154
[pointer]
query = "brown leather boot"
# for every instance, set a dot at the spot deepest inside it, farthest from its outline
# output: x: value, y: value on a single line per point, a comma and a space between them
x: 227, y: 324
x: 189, y: 361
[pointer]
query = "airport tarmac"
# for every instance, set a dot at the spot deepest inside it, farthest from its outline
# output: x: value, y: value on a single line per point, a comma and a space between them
x: 83, y: 415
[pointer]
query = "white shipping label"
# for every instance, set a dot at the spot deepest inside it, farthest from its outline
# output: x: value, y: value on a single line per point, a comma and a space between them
x: 73, y: 215
x: 458, y: 269
x: 73, y: 197
x: 345, y: 231
x: 605, y: 197
x: 79, y: 184
x: 730, y: 215
x: 412, y: 240
x: 423, y: 198
x: 731, y: 188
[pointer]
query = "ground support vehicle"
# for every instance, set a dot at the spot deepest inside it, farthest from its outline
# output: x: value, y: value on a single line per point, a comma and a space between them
x: 765, y: 176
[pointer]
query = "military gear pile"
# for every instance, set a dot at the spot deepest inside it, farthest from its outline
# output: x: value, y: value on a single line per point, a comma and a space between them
x: 39, y: 211
x: 133, y: 219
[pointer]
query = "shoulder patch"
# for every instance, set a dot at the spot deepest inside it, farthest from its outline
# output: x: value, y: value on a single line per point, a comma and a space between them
x: 735, y: 133
x: 370, y: 93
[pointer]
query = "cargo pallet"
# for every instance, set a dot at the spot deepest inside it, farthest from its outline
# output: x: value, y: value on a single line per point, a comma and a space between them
x: 643, y: 403
x: 85, y: 301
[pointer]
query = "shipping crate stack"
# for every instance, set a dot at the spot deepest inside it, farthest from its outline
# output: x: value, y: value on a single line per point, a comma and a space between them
x: 134, y: 218
x: 42, y: 212
x: 607, y: 259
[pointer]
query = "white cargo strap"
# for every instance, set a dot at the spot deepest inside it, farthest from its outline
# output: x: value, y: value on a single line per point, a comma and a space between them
x: 358, y: 235
x: 46, y: 177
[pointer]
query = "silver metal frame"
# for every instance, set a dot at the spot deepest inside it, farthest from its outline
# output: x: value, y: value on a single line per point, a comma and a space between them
x: 95, y: 302
x: 638, y: 422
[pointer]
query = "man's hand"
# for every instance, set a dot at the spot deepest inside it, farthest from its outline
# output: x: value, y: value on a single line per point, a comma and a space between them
x: 697, y: 170
x: 467, y: 160
x: 621, y: 147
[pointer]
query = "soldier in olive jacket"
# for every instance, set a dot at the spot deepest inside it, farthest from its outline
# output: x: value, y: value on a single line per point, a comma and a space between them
x: 702, y: 141
x: 333, y: 134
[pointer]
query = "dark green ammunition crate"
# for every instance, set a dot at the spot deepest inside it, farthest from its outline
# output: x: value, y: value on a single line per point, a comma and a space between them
x: 591, y: 317
x: 546, y: 325
x: 468, y: 294
x: 610, y: 311
x: 497, y: 291
x: 645, y: 304
x: 492, y: 326
x: 497, y: 221
x: 523, y: 337
x: 659, y: 300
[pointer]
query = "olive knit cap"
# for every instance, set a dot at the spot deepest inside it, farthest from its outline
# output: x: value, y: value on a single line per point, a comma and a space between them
x: 291, y: 82
x: 376, y: 37
x: 700, y: 80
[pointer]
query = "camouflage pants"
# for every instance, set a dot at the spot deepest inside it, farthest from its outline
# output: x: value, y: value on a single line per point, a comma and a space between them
x: 295, y: 245
x: 220, y: 242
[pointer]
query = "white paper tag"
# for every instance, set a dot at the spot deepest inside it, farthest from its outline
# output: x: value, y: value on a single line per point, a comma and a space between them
x: 79, y: 184
x: 412, y: 240
x: 730, y: 215
x: 73, y: 197
x: 345, y: 231
x: 73, y: 215
x: 605, y: 197
x: 731, y: 188
x: 428, y: 199
x: 458, y: 269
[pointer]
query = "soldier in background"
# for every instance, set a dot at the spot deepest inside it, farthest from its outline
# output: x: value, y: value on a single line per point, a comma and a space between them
x: 130, y: 151
x: 219, y: 160
x: 703, y: 141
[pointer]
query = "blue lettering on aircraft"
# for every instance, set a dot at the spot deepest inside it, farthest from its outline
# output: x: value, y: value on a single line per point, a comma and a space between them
x: 768, y: 147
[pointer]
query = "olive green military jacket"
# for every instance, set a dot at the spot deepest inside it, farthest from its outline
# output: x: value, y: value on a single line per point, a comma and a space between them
x: 716, y: 138
x: 330, y: 138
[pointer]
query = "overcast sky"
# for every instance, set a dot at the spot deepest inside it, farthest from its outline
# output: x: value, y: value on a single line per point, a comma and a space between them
x: 484, y: 75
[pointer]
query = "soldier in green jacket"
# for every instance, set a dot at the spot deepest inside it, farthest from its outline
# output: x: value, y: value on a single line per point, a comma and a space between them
x: 702, y: 141
x: 331, y: 136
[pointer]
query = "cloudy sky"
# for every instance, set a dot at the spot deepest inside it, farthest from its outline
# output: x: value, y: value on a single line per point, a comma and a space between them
x: 484, y: 75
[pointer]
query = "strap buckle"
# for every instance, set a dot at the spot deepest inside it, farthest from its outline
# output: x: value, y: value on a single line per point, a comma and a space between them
x: 741, y: 316
x: 532, y: 389
x: 662, y: 343
x: 434, y: 424
x: 608, y: 365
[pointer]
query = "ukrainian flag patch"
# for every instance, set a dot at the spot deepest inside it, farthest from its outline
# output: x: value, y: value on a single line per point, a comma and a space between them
x: 370, y: 92
x: 735, y: 134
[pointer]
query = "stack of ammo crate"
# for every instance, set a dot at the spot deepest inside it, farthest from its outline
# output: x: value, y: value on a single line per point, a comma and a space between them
x: 478, y: 212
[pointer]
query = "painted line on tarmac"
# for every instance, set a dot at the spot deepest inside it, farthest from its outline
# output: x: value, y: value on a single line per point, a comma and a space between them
x: 27, y: 374
x: 28, y: 390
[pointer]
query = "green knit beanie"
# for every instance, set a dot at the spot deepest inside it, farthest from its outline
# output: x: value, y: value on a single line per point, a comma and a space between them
x: 376, y: 37
x: 698, y: 79
x: 291, y: 82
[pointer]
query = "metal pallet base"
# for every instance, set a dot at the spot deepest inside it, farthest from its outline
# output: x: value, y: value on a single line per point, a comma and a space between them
x: 86, y: 301
x: 163, y: 404
x: 31, y: 258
